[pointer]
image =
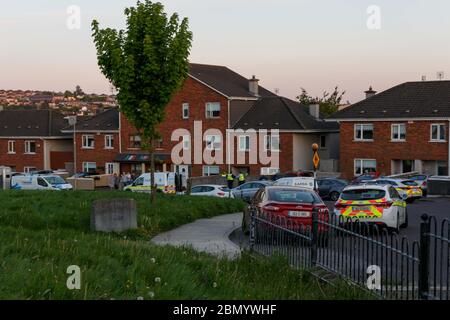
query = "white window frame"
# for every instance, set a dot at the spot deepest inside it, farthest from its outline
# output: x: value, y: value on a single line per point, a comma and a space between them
x: 109, y: 141
x: 85, y: 138
x: 110, y: 165
x: 209, y: 112
x: 29, y: 169
x: 86, y: 165
x: 362, y: 125
x: 186, y: 142
x: 213, y: 142
x: 185, y: 109
x: 362, y: 165
x: 27, y: 147
x: 134, y: 141
x: 206, y: 171
x: 12, y: 147
x: 439, y: 126
x: 270, y: 139
x: 243, y: 141
x: 397, y: 126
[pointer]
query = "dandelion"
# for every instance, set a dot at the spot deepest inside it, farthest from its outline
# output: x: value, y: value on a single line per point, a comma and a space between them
x: 140, y: 298
x: 215, y: 285
x: 153, y: 260
x: 151, y: 294
x: 157, y: 279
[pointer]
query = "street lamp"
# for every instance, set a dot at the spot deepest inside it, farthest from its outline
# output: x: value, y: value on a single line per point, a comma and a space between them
x: 73, y: 122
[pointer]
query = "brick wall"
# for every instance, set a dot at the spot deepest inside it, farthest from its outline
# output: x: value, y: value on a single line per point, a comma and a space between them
x: 416, y: 147
x: 99, y: 154
x: 20, y: 160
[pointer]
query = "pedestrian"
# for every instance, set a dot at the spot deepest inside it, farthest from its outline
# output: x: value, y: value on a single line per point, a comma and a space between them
x: 116, y: 181
x: 241, y: 178
x: 111, y: 182
x: 230, y: 179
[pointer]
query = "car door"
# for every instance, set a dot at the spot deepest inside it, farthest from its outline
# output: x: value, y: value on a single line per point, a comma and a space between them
x: 243, y: 191
x: 324, y: 187
x: 395, y: 195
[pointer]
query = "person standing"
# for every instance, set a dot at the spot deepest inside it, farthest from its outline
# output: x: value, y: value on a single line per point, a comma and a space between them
x: 241, y: 178
x: 230, y: 179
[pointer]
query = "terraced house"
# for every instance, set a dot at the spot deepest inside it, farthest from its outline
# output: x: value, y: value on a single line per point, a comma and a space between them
x: 220, y: 99
x: 401, y: 130
x: 32, y: 140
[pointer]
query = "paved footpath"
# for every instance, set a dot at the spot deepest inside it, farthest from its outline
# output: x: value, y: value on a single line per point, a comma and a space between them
x: 206, y: 235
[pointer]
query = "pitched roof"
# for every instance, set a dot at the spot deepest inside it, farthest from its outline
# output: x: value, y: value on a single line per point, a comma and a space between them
x: 31, y: 123
x: 105, y: 121
x: 224, y: 80
x: 425, y: 99
x: 283, y: 114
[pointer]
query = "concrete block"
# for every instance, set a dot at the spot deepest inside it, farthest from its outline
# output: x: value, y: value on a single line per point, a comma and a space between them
x: 114, y: 215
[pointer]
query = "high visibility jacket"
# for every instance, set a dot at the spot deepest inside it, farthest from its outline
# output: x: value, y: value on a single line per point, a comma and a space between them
x: 229, y: 176
x: 241, y: 177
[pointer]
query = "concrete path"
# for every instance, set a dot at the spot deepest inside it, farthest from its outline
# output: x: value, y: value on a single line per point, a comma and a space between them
x: 206, y: 235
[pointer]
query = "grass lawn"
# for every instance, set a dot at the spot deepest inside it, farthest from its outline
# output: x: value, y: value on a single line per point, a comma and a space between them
x: 43, y: 233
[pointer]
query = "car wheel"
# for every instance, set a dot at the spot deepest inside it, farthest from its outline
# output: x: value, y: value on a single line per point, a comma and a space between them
x: 334, y: 196
x: 405, y: 225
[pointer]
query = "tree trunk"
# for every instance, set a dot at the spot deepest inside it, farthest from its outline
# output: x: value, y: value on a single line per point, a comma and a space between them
x: 152, y: 172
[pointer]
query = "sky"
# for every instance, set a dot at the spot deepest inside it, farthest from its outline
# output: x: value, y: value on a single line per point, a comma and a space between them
x: 287, y: 44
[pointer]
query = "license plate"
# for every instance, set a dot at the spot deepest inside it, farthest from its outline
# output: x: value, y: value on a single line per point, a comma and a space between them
x: 299, y: 214
x: 359, y: 209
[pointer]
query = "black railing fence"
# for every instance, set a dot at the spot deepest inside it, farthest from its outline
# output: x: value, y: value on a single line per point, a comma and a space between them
x: 387, y: 265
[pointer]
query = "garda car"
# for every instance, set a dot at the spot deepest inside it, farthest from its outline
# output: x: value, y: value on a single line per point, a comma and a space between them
x: 164, y: 181
x: 303, y: 182
x: 39, y: 182
x: 375, y: 204
x: 408, y: 187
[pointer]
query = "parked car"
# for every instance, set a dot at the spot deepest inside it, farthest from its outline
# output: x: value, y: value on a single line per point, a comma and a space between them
x: 293, y: 203
x: 39, y: 182
x: 248, y: 190
x: 304, y: 182
x: 374, y: 204
x: 408, y: 187
x: 331, y: 188
x: 422, y: 181
x: 364, y: 178
x: 211, y: 190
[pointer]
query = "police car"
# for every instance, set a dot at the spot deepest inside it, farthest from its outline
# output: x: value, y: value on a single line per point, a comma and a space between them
x: 375, y: 204
x: 408, y: 187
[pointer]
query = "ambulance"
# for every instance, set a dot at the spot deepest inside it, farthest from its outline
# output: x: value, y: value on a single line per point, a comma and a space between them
x: 164, y: 181
x: 375, y: 204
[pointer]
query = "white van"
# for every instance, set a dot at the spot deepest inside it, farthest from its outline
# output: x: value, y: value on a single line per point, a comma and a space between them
x: 165, y: 182
x: 39, y: 182
x: 304, y: 182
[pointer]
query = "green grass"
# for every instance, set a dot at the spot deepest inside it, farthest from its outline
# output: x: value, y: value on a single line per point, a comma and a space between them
x: 41, y: 234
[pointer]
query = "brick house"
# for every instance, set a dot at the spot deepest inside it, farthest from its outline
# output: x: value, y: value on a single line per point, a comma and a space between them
x: 218, y: 100
x: 32, y: 140
x: 400, y: 130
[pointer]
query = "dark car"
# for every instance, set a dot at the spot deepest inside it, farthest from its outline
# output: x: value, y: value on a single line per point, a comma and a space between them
x: 290, y: 203
x: 248, y: 190
x: 364, y: 178
x: 330, y: 188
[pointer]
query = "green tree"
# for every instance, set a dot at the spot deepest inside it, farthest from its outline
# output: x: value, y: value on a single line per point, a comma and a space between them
x: 147, y: 63
x: 329, y: 102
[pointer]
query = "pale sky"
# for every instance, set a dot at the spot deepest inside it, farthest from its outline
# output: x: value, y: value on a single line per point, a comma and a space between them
x: 288, y: 44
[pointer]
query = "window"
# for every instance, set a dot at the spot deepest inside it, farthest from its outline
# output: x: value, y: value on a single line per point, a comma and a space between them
x: 41, y: 182
x: 135, y: 141
x: 109, y: 141
x: 442, y: 168
x: 30, y: 147
x: 213, y: 110
x: 186, y: 142
x: 364, y: 132
x: 244, y: 143
x: 110, y: 168
x: 364, y: 166
x: 185, y: 110
x: 29, y: 169
x: 213, y: 142
x: 438, y: 133
x: 394, y: 193
x: 11, y: 147
x: 211, y: 171
x: 323, y: 142
x: 159, y: 144
x: 136, y: 168
x: 271, y: 143
x: 398, y: 132
x: 88, y: 142
x: 89, y: 167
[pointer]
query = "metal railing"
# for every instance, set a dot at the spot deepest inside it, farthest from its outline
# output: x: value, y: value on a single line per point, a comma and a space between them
x: 389, y: 266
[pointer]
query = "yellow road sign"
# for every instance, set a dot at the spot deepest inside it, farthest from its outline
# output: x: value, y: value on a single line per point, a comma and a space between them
x: 316, y: 160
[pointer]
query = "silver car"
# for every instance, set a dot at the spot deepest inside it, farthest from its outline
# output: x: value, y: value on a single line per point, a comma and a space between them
x: 248, y: 190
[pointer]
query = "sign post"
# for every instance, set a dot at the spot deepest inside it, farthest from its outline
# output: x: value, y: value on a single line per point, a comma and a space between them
x: 316, y: 162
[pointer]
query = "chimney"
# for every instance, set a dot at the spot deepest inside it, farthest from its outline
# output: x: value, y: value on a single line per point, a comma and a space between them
x: 314, y: 110
x: 370, y: 93
x: 253, y: 86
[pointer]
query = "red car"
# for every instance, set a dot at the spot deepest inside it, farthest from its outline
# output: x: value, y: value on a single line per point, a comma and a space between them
x: 290, y: 207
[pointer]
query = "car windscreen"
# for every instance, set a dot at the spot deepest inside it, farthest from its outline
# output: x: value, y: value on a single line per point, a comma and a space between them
x: 297, y: 196
x: 363, y: 194
x: 55, y: 180
x: 410, y: 183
